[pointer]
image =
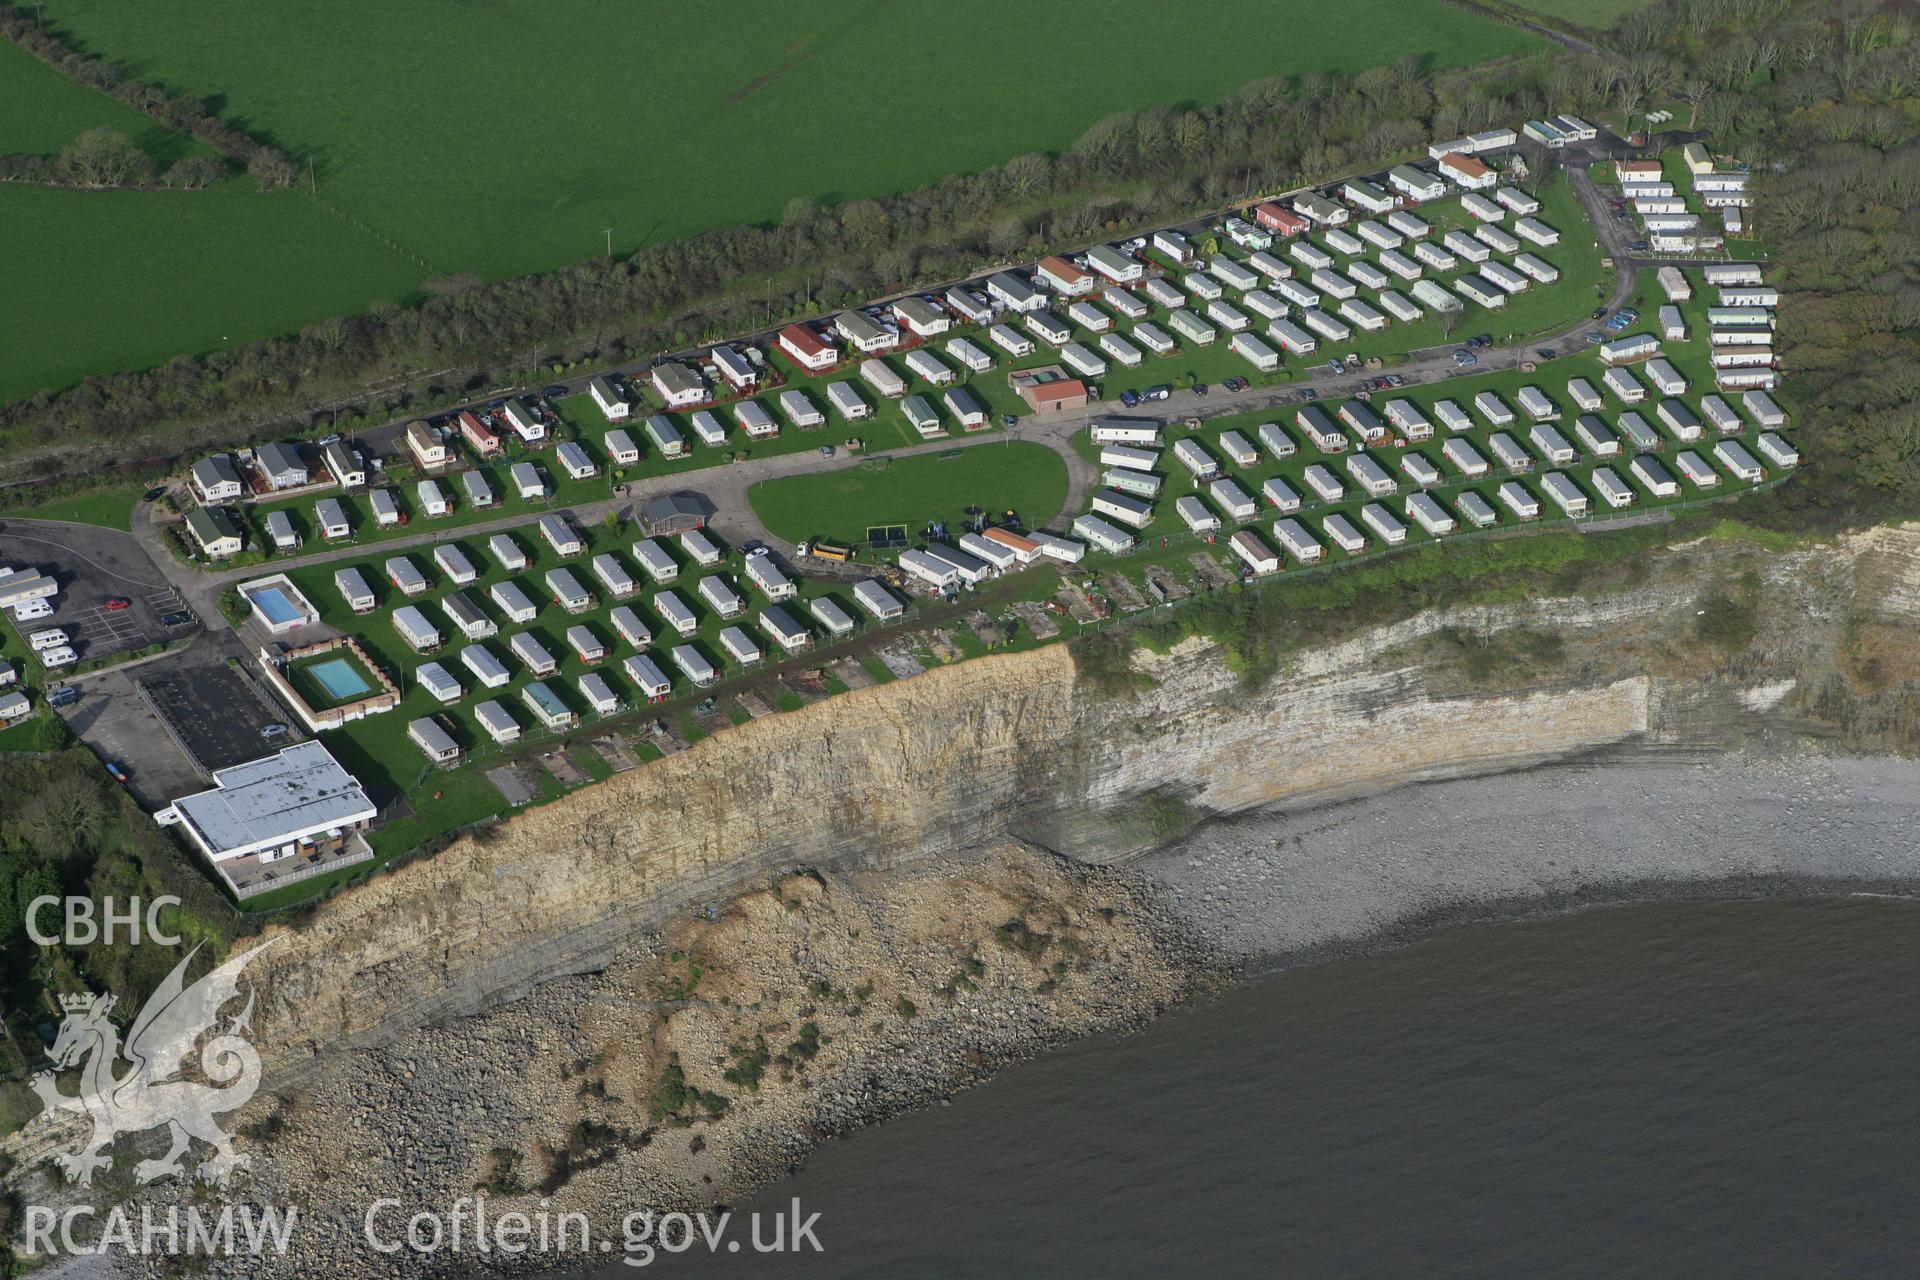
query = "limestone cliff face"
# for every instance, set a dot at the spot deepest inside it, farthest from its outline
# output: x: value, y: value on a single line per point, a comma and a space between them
x: 955, y: 759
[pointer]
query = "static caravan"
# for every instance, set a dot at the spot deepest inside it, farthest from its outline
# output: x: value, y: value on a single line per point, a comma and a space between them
x: 1320, y: 429
x: 586, y: 646
x: 1674, y: 283
x: 1584, y: 394
x: 1362, y: 316
x: 1048, y: 327
x: 1415, y: 183
x: 709, y: 428
x: 1164, y: 293
x: 676, y: 613
x: 1653, y: 477
x: 1739, y: 463
x: 1478, y: 289
x: 1326, y: 326
x: 1234, y: 502
x: 1695, y: 468
x: 575, y: 461
x: 1623, y: 385
x: 432, y: 498
x: 1105, y: 431
x: 386, y: 508
x: 965, y: 408
x: 1490, y: 406
x: 280, y: 530
x: 1107, y: 537
x: 838, y: 622
x: 1476, y: 510
x: 1292, y: 337
x: 647, y: 677
x: 1424, y: 511
x: 922, y: 416
x: 758, y: 424
x: 1399, y: 306
x: 548, y: 709
x: 1594, y: 436
x: 1777, y: 451
x: 1367, y: 275
x: 1280, y: 495
x: 1504, y: 278
x: 1195, y: 514
x: 527, y: 481
x: 415, y: 629
x: 1326, y: 486
x: 511, y: 601
x: 1514, y: 497
x: 1419, y: 468
x: 1517, y: 200
x: 929, y: 367
x: 1227, y: 316
x: 497, y: 721
x: 1345, y: 244
x: 1763, y: 296
x: 1408, y: 225
x: 1154, y: 339
x: 970, y: 354
x: 1384, y: 524
x: 1252, y: 552
x: 1679, y: 419
x: 331, y: 515
x: 598, y: 693
x: 1436, y: 297
x: 1238, y: 448
x: 1318, y: 209
x: 1344, y: 534
x: 1538, y: 269
x: 1173, y: 245
x: 1482, y: 208
x: 720, y: 596
x: 1232, y: 274
x: 969, y: 306
x: 487, y: 669
x: 1124, y: 304
x: 798, y: 408
x: 634, y: 631
x: 1297, y: 542
x: 1673, y: 326
x: 1264, y: 304
x: 848, y: 402
x: 1269, y: 266
x: 881, y: 376
x: 881, y: 604
x: 1465, y: 246
x: 1142, y: 484
x: 525, y: 421
x: 1565, y: 494
x: 1432, y: 255
x: 567, y: 591
x: 1536, y: 231
x: 1637, y: 346
x: 454, y: 563
x: 1638, y: 434
x: 1083, y: 360
x: 1191, y: 327
x: 439, y: 682
x: 1310, y: 255
x: 1255, y: 352
x: 766, y: 575
x: 614, y: 576
x: 1508, y: 453
x: 1000, y: 556
x: 1370, y: 475
x: 1296, y: 293
x: 1761, y: 408
x: 1665, y: 378
x: 621, y: 450
x: 785, y: 630
x: 1065, y: 550
x: 1379, y: 235
x: 1117, y: 346
x: 1613, y: 491
x: 1452, y: 416
x: 1122, y: 507
x: 1333, y: 285
x: 1731, y: 274
x: 561, y: 535
x: 1114, y: 264
x: 1538, y: 405
x: 504, y: 549
x: 1120, y: 455
x: 1409, y: 419
x: 1089, y: 317
x: 1366, y: 195
x: 355, y: 590
x: 1275, y: 440
x: 1464, y: 458
x: 406, y: 576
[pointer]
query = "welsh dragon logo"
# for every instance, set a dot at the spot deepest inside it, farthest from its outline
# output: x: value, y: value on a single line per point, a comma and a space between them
x: 147, y: 1095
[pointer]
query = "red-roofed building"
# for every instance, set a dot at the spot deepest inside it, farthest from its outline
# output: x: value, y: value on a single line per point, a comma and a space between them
x: 1025, y: 548
x: 1056, y: 396
x: 808, y: 348
x: 1065, y: 278
x: 1467, y: 172
x: 1282, y: 221
x: 481, y: 438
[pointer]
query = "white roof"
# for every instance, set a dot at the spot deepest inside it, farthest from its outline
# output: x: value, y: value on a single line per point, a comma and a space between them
x: 300, y: 791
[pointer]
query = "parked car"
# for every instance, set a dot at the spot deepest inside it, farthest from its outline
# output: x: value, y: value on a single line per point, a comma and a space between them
x: 62, y: 695
x: 273, y: 730
x: 1545, y: 353
x: 1395, y: 380
x: 116, y: 603
x: 1465, y: 359
x: 1129, y: 398
x: 1160, y: 392
x: 553, y: 392
x: 178, y: 618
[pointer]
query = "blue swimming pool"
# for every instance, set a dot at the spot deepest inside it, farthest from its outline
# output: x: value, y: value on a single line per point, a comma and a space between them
x: 338, y: 678
x: 274, y: 605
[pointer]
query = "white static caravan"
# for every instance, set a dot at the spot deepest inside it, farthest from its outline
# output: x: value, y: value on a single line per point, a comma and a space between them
x: 1665, y: 378
x: 710, y: 429
x: 560, y: 534
x: 784, y: 629
x: 586, y: 646
x: 567, y: 591
x: 614, y: 576
x: 1384, y: 524
x: 1164, y: 293
x: 1362, y: 316
x: 1409, y: 419
x: 1419, y: 468
x: 432, y: 498
x: 1514, y: 497
x: 999, y: 555
x: 758, y: 424
x: 1490, y: 406
x: 1275, y: 440
x: 1232, y: 274
x: 1120, y: 455
x: 1637, y: 432
x: 331, y: 515
x: 1142, y: 484
x: 1653, y: 477
x: 1379, y: 235
x: 848, y: 402
x: 497, y: 721
x: 414, y: 628
x: 1124, y: 304
x: 1613, y: 491
x: 1363, y: 421
x: 355, y: 590
x: 1234, y: 502
x: 1065, y: 550
x: 1433, y: 256
x: 1478, y: 289
x: 740, y: 646
x: 879, y: 603
x: 1399, y: 306
x: 676, y: 613
x: 1401, y: 265
x: 1269, y: 266
x: 1635, y: 346
x: 1254, y: 553
x: 1408, y: 225
x: 1476, y: 510
x: 1326, y: 486
x: 1154, y: 338
x: 1173, y: 245
x: 1280, y: 495
x: 1738, y: 462
x: 1625, y: 387
x: 1517, y: 200
x: 532, y: 655
x: 1193, y: 455
x: 1345, y: 244
x: 1537, y: 404
x: 1370, y: 475
x: 1296, y: 293
x: 1504, y: 278
x: 1777, y: 451
x: 1191, y: 327
x: 1595, y: 437
x: 797, y: 407
x: 1452, y: 416
x: 439, y: 682
x: 1729, y: 274
x: 970, y: 354
x: 965, y: 408
x: 1320, y: 429
x: 1122, y: 350
x: 1465, y: 246
x: 515, y: 604
x: 1508, y: 453
x: 1297, y: 542
x: 1538, y: 269
x: 1464, y: 458
x: 1238, y: 448
x: 1584, y: 395
x: 1048, y: 327
x: 1424, y: 511
x: 1435, y: 297
x: 838, y: 622
x: 881, y: 376
x: 930, y: 367
x: 1107, y: 537
x: 1089, y: 317
x: 454, y: 563
x: 1195, y: 514
x: 1564, y: 494
x: 1083, y: 360
x: 1367, y: 275
x: 1344, y: 534
x: 1292, y: 337
x: 487, y: 669
x: 386, y: 508
x: 1122, y: 507
x: 694, y: 665
x: 1481, y: 208
x: 547, y: 706
x: 1679, y: 419
x: 1696, y: 469
x: 654, y: 559
x: 598, y: 694
x: 406, y: 576
x: 1761, y: 408
x: 1326, y: 326
x: 631, y: 628
x: 922, y: 416
x: 720, y: 596
x: 1310, y: 255
x: 1673, y: 325
x: 621, y: 450
x: 1536, y: 231
x: 575, y: 461
x: 527, y: 481
x: 647, y: 677
x: 1333, y: 285
x: 763, y: 573
x: 1104, y: 431
x: 1227, y: 316
x: 1255, y: 352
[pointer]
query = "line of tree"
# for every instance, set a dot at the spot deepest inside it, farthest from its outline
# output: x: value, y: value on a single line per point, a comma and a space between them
x: 103, y: 159
x: 269, y: 165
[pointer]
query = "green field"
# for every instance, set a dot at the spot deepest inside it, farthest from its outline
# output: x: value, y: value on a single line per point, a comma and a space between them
x: 533, y: 130
x: 839, y: 505
x: 41, y: 111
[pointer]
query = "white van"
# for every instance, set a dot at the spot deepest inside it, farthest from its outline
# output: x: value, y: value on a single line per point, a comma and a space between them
x: 31, y: 610
x: 55, y: 658
x: 51, y: 638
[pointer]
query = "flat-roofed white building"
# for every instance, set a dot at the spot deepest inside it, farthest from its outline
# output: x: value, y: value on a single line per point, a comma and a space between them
x: 298, y: 802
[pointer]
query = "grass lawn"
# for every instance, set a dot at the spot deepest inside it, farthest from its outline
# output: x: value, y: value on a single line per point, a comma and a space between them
x: 839, y: 505
x: 41, y: 111
x: 110, y: 507
x: 543, y: 126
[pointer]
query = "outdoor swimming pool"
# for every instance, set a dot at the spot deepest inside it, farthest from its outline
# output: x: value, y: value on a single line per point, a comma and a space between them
x: 338, y: 677
x: 274, y: 606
